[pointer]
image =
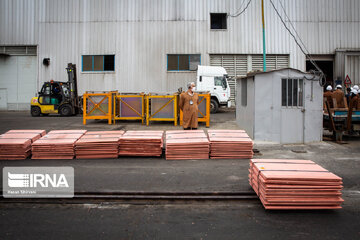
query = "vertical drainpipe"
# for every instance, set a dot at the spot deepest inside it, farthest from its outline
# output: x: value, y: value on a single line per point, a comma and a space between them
x: 263, y: 30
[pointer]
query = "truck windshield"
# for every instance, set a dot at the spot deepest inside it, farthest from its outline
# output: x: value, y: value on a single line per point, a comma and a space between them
x: 220, y: 81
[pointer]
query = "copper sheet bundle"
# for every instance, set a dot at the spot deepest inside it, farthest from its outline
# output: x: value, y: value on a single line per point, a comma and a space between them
x: 32, y: 136
x: 141, y: 143
x: 98, y: 144
x: 186, y: 144
x: 294, y: 184
x: 230, y: 144
x: 15, y: 149
x: 37, y: 131
x: 16, y: 144
x: 57, y: 144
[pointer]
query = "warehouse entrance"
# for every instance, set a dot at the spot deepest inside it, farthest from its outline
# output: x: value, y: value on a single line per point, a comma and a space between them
x: 326, y: 64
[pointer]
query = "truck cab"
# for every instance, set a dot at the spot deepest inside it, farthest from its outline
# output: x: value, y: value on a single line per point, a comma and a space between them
x: 215, y: 81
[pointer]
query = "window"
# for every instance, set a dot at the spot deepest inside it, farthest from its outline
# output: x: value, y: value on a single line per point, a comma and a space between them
x: 292, y: 92
x: 218, y: 20
x: 218, y: 81
x: 98, y: 63
x: 183, y: 62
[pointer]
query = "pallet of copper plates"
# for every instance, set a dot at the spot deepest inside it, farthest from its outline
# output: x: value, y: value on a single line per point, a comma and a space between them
x: 98, y: 144
x: 56, y: 145
x: 38, y: 131
x: 230, y: 144
x: 294, y: 184
x: 141, y: 143
x: 10, y: 151
x: 32, y: 136
x: 186, y: 144
x: 15, y: 148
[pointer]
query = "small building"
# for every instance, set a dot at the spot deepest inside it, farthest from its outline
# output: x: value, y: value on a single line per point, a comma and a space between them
x: 282, y: 106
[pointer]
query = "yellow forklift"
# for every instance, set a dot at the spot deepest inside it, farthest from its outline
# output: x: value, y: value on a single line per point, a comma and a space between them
x: 58, y: 97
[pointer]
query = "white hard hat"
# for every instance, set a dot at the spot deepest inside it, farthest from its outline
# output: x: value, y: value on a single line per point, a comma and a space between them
x: 329, y: 88
x: 356, y: 87
x: 354, y: 91
x: 338, y: 86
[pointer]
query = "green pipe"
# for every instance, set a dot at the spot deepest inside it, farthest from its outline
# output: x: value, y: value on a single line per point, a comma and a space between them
x: 263, y: 28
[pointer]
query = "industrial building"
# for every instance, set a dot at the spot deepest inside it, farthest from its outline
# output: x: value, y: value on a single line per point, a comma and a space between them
x: 156, y: 45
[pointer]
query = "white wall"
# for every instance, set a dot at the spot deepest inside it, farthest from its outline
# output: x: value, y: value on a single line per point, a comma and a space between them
x: 17, y: 81
x: 142, y: 32
x: 245, y: 115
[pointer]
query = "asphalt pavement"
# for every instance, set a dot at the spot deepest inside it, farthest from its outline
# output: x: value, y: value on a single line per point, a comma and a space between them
x: 241, y: 219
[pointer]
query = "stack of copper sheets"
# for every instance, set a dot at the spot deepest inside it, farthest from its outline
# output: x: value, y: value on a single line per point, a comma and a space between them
x: 294, y: 184
x: 38, y: 131
x: 32, y: 136
x: 98, y: 144
x: 141, y: 143
x: 230, y: 144
x: 187, y: 144
x: 57, y: 144
x: 16, y: 144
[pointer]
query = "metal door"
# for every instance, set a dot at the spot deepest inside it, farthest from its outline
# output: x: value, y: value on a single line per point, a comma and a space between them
x: 292, y: 110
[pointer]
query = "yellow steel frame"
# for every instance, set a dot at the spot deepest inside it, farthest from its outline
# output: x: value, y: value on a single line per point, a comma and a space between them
x: 172, y: 98
x: 205, y: 117
x: 87, y: 97
x: 141, y: 115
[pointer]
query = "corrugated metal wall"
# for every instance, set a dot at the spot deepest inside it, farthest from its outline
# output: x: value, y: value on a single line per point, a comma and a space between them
x: 141, y: 32
x: 238, y: 65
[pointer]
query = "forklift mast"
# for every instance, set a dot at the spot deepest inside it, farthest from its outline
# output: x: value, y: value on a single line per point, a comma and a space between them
x: 72, y: 83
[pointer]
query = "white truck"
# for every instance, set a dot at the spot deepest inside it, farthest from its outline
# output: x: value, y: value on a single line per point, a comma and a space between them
x: 215, y: 81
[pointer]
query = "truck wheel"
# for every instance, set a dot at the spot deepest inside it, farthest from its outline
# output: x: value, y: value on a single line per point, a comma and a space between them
x: 214, y: 106
x: 35, y: 111
x: 65, y: 110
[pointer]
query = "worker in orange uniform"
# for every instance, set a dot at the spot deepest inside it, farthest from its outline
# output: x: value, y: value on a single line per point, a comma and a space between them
x: 189, y: 101
x: 339, y: 95
x: 328, y: 96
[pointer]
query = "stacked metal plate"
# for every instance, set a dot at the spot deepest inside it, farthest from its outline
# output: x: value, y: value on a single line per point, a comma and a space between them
x: 294, y: 184
x: 32, y: 136
x: 98, y: 144
x: 57, y: 144
x: 38, y: 131
x: 16, y: 144
x: 230, y: 144
x: 141, y: 143
x: 186, y: 144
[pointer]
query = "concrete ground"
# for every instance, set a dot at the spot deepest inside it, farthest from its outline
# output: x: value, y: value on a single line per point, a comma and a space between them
x: 244, y: 219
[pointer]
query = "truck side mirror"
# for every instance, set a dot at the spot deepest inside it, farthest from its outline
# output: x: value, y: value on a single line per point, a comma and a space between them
x: 200, y: 79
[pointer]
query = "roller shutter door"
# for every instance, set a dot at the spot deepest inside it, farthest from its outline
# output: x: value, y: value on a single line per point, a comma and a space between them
x: 272, y: 62
x: 236, y: 65
x: 352, y: 68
